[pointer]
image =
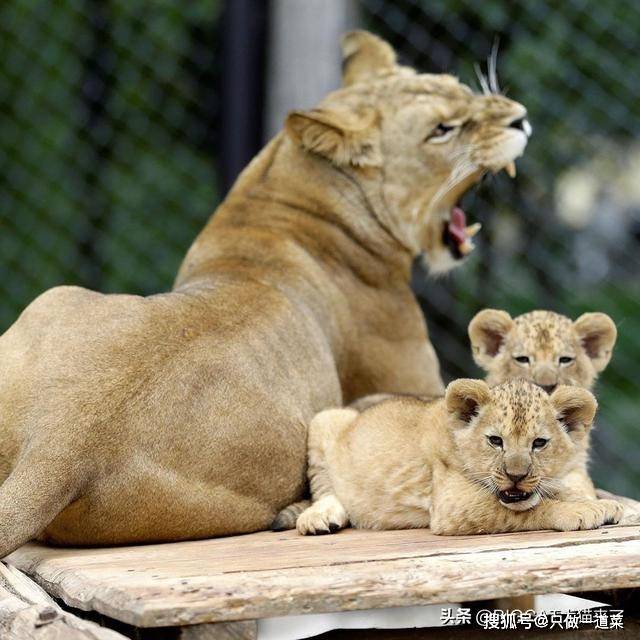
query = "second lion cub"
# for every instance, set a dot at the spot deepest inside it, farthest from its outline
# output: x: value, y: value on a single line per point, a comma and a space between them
x: 479, y: 460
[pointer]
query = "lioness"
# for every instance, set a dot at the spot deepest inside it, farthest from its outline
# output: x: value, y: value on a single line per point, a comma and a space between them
x: 479, y: 460
x: 184, y: 415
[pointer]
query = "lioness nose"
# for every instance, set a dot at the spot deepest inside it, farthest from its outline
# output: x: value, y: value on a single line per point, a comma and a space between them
x: 522, y: 124
x: 515, y: 478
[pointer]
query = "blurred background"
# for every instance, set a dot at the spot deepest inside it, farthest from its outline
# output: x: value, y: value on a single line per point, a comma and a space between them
x: 123, y: 123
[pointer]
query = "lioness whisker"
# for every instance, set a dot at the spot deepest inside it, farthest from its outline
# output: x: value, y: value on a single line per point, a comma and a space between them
x: 482, y: 79
x: 492, y: 67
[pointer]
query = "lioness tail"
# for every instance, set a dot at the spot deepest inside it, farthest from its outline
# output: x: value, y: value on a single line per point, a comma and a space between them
x: 286, y: 519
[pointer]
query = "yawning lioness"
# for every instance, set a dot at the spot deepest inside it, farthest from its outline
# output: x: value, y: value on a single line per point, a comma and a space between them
x: 184, y: 415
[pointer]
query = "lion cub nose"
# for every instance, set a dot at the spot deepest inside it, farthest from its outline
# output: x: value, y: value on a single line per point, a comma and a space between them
x: 549, y: 388
x: 515, y: 478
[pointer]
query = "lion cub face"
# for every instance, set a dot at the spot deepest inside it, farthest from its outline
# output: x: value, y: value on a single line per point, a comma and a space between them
x: 541, y: 346
x: 414, y: 143
x: 515, y: 440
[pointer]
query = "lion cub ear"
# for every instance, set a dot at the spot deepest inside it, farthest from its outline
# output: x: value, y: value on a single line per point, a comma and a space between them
x: 343, y: 137
x: 576, y: 409
x: 364, y: 55
x: 597, y: 333
x: 465, y: 397
x: 487, y: 332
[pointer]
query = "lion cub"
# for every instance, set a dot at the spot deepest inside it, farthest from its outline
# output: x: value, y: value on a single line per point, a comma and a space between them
x: 542, y: 346
x: 548, y: 349
x: 479, y: 460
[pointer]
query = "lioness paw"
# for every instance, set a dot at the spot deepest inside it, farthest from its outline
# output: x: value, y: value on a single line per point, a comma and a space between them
x: 588, y: 515
x: 322, y: 517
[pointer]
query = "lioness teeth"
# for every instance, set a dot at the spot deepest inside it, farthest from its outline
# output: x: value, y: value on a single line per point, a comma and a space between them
x: 473, y: 229
x: 466, y: 247
x: 511, y: 169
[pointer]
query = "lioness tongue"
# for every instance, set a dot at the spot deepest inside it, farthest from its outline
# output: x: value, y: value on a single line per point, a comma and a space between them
x: 457, y: 225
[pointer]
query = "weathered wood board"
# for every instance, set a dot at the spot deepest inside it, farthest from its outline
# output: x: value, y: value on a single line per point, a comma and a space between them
x: 275, y: 574
x: 28, y: 613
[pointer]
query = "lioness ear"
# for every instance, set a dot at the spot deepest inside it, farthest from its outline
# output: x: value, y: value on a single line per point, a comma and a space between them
x: 597, y: 333
x: 487, y: 332
x: 342, y: 137
x: 464, y: 398
x: 576, y: 409
x: 364, y: 55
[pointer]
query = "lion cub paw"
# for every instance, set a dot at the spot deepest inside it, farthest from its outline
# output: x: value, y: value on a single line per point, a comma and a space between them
x: 325, y: 516
x: 589, y: 514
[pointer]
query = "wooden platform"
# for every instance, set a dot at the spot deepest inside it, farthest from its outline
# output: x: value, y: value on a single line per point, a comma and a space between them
x: 277, y: 574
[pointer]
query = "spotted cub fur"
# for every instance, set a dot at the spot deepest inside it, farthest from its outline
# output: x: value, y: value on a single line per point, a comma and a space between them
x: 548, y: 349
x: 542, y: 346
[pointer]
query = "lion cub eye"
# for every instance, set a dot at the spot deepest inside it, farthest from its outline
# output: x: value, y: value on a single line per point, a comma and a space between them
x: 539, y: 443
x: 522, y: 359
x: 495, y: 441
x: 440, y: 133
x: 566, y: 359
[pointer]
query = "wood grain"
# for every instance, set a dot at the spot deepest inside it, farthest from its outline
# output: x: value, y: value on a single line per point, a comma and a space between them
x: 28, y: 613
x: 268, y: 574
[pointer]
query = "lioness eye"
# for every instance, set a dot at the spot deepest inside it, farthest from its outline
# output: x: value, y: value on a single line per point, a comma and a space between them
x: 565, y: 359
x: 522, y: 359
x: 495, y: 441
x: 440, y: 133
x: 538, y: 443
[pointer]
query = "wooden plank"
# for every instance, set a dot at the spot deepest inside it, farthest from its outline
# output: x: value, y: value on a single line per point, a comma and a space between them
x: 268, y: 574
x: 27, y: 612
x: 282, y: 550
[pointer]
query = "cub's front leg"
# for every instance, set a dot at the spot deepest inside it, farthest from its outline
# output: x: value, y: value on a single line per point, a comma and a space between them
x: 326, y: 513
x: 579, y: 482
x: 461, y: 507
x: 576, y: 515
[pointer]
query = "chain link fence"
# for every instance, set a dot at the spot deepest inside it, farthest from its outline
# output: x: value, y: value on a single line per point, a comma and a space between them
x: 109, y: 150
x: 106, y: 125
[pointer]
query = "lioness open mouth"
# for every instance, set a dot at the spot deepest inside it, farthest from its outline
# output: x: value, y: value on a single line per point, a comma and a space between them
x: 456, y: 235
x: 513, y: 495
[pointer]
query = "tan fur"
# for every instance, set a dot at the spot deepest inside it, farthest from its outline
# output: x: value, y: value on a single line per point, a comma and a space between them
x: 544, y: 337
x: 184, y: 415
x: 407, y: 463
